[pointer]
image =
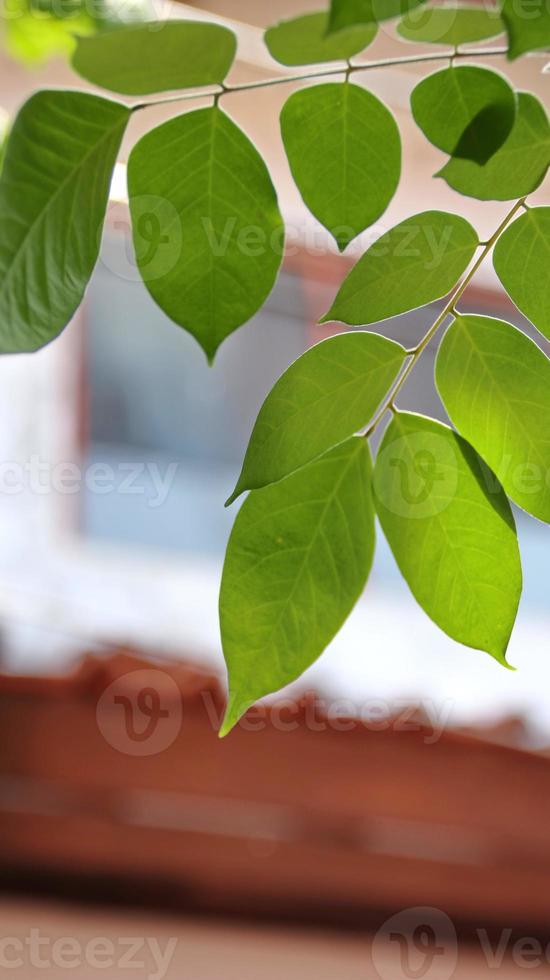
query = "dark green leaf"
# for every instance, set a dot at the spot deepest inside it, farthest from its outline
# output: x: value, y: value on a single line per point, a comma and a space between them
x: 451, y: 25
x: 465, y: 111
x: 297, y: 561
x: 346, y: 13
x: 495, y: 385
x: 522, y: 263
x: 208, y: 232
x: 327, y: 395
x: 304, y: 41
x: 414, y: 263
x: 451, y: 530
x: 156, y: 57
x: 344, y: 151
x: 517, y: 168
x: 54, y: 190
x: 528, y: 25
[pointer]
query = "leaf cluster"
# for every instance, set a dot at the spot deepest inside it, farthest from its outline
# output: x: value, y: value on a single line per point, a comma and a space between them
x: 209, y: 238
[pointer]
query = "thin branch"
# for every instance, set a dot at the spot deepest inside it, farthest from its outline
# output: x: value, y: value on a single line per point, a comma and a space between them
x: 347, y: 70
x: 448, y: 310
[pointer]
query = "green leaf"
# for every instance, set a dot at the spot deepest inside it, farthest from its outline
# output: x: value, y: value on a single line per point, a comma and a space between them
x: 34, y: 37
x: 522, y: 262
x: 304, y: 41
x: 414, y: 263
x: 297, y: 561
x: 517, y: 168
x: 451, y: 25
x: 451, y: 530
x: 144, y: 58
x: 208, y: 233
x: 346, y: 13
x: 466, y: 111
x: 327, y: 395
x: 528, y: 25
x: 344, y: 151
x: 495, y: 384
x: 54, y: 190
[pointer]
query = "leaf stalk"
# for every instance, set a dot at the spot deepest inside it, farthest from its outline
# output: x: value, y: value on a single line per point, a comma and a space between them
x: 448, y: 310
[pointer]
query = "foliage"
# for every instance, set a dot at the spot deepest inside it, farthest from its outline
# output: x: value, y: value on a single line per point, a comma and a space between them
x: 34, y: 31
x: 209, y: 236
x: 332, y: 136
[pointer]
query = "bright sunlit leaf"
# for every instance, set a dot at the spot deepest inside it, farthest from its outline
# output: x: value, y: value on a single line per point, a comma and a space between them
x: 208, y: 233
x: 414, y: 263
x: 297, y: 561
x: 522, y: 262
x: 495, y: 384
x: 327, y: 395
x: 451, y: 530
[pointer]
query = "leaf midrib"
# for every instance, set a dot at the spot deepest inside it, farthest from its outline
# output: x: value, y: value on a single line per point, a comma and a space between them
x: 317, y: 533
x: 397, y: 274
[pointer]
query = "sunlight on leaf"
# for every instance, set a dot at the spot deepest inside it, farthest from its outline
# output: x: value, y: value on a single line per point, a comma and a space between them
x: 327, y: 395
x: 451, y: 530
x: 208, y: 233
x: 297, y: 561
x: 414, y: 263
x: 495, y: 384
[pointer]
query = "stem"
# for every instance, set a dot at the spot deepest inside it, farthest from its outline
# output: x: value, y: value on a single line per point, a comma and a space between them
x: 448, y: 310
x: 348, y: 70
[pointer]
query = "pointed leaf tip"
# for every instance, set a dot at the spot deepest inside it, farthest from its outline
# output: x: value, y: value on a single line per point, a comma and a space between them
x: 201, y: 222
x: 347, y: 170
x: 322, y: 399
x: 233, y: 497
x: 234, y: 711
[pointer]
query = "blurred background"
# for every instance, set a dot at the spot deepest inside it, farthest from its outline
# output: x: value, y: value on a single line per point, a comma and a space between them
x: 284, y: 849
